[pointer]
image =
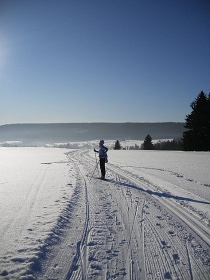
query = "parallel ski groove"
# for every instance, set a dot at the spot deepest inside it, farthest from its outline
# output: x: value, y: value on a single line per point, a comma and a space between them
x: 126, y: 230
x: 187, y: 218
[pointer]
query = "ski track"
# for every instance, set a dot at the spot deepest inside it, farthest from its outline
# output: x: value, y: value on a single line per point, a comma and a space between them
x: 122, y: 228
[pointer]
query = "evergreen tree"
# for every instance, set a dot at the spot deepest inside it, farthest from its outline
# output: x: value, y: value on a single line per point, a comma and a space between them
x: 148, y: 145
x: 173, y: 145
x: 136, y: 147
x: 117, y: 145
x: 197, y: 137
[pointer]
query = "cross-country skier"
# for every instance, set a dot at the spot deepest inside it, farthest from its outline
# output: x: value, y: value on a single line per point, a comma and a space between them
x: 103, y: 157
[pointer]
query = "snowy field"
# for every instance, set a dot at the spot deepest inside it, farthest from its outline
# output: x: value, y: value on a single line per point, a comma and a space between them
x: 149, y: 220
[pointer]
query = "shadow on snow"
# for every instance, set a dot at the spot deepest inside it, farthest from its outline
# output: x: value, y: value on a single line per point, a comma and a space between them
x: 159, y: 194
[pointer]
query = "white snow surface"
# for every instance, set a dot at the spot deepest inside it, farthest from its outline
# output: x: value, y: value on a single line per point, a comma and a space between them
x: 149, y: 220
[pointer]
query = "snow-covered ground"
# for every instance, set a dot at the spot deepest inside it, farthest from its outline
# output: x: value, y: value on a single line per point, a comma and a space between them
x: 149, y: 220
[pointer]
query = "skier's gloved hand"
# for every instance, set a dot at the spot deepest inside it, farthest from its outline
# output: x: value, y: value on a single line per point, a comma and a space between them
x: 95, y: 150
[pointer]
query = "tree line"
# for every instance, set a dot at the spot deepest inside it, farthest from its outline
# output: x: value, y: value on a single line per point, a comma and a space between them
x: 172, y: 145
x: 197, y: 134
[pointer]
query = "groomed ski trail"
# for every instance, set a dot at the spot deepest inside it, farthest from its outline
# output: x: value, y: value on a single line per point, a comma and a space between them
x: 124, y: 228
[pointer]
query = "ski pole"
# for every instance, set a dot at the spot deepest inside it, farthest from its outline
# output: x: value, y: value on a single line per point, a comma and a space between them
x: 97, y: 161
x: 95, y: 169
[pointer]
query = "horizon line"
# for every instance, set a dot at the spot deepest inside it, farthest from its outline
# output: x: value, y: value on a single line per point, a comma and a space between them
x: 45, y: 123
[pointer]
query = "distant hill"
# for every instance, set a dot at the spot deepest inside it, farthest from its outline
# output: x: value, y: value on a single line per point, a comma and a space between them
x: 39, y: 134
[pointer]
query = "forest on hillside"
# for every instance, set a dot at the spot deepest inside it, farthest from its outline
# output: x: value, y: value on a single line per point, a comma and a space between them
x: 40, y: 134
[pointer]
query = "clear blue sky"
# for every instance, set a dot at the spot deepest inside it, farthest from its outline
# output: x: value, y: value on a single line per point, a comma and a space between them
x: 102, y: 61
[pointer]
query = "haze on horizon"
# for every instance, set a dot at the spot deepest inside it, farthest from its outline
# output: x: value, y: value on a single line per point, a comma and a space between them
x: 102, y: 61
